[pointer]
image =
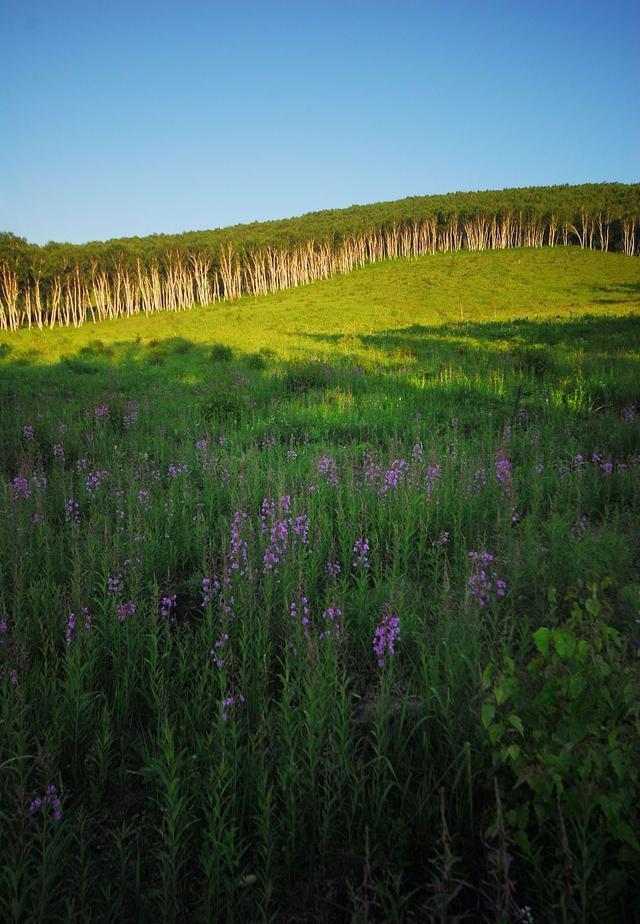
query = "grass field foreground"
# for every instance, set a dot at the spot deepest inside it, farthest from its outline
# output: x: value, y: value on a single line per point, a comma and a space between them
x: 325, y: 605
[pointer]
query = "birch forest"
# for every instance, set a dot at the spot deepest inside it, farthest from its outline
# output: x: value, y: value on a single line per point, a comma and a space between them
x: 69, y: 285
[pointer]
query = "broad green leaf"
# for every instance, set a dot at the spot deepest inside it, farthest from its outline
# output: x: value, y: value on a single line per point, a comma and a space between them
x: 541, y: 639
x: 565, y: 642
x: 488, y: 712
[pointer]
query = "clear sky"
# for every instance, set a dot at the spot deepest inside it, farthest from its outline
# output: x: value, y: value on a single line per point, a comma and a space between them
x: 124, y: 117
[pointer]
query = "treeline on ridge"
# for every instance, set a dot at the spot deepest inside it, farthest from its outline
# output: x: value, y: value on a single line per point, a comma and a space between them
x: 64, y: 284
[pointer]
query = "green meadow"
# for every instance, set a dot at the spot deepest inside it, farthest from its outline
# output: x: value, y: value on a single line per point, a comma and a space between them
x: 324, y: 605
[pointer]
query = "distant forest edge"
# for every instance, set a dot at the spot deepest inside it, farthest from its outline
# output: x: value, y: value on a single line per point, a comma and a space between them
x: 69, y: 284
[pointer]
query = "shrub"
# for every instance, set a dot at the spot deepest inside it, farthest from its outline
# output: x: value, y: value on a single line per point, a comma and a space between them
x: 563, y: 732
x: 220, y: 353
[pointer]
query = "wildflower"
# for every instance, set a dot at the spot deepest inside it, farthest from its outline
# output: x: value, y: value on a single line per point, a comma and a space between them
x: 385, y: 637
x: 484, y: 580
x: 417, y: 454
x: 28, y: 433
x: 630, y: 413
x: 72, y: 511
x: 131, y: 417
x: 115, y: 584
x: 360, y: 550
x: 502, y: 468
x: 58, y: 451
x: 301, y: 611
x: 292, y: 455
x: 434, y: 474
x: 332, y: 569
x: 580, y: 527
x: 267, y: 513
x: 50, y: 800
x: 442, y: 539
x: 393, y: 476
x: 101, y: 411
x: 239, y: 550
x: 20, y: 488
x: 174, y: 471
x: 72, y: 624
x: 125, y: 610
x: 167, y: 604
x: 327, y: 467
x: 143, y: 498
x: 37, y: 519
x: 94, y: 481
x: 230, y: 702
x: 71, y: 628
x: 218, y: 650
x: 332, y: 619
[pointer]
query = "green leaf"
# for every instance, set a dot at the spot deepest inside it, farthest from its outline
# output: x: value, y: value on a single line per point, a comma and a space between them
x: 541, y: 639
x: 513, y: 751
x: 516, y: 722
x: 565, y: 642
x: 488, y: 712
x: 593, y: 606
x: 495, y: 731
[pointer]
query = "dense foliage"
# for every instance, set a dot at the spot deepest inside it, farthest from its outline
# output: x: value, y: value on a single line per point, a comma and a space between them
x: 325, y: 607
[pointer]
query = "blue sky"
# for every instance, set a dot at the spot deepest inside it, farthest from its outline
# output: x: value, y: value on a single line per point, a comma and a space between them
x: 123, y: 118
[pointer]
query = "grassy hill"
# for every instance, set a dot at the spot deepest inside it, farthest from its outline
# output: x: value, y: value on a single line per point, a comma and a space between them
x: 432, y: 290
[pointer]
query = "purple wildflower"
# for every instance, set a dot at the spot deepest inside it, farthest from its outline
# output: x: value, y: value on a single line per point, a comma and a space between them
x: 167, y: 604
x: 332, y: 619
x: 360, y: 550
x: 218, y: 650
x: 385, y: 638
x: 94, y: 481
x: 332, y: 569
x: 433, y: 476
x: 125, y: 610
x: 239, y: 550
x: 115, y: 584
x: 229, y: 703
x: 50, y: 800
x: 502, y: 468
x: 72, y: 511
x: 328, y: 468
x: 131, y: 417
x: 484, y: 579
x: 20, y: 488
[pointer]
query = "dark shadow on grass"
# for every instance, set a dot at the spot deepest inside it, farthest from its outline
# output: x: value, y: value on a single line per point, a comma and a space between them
x: 255, y: 395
